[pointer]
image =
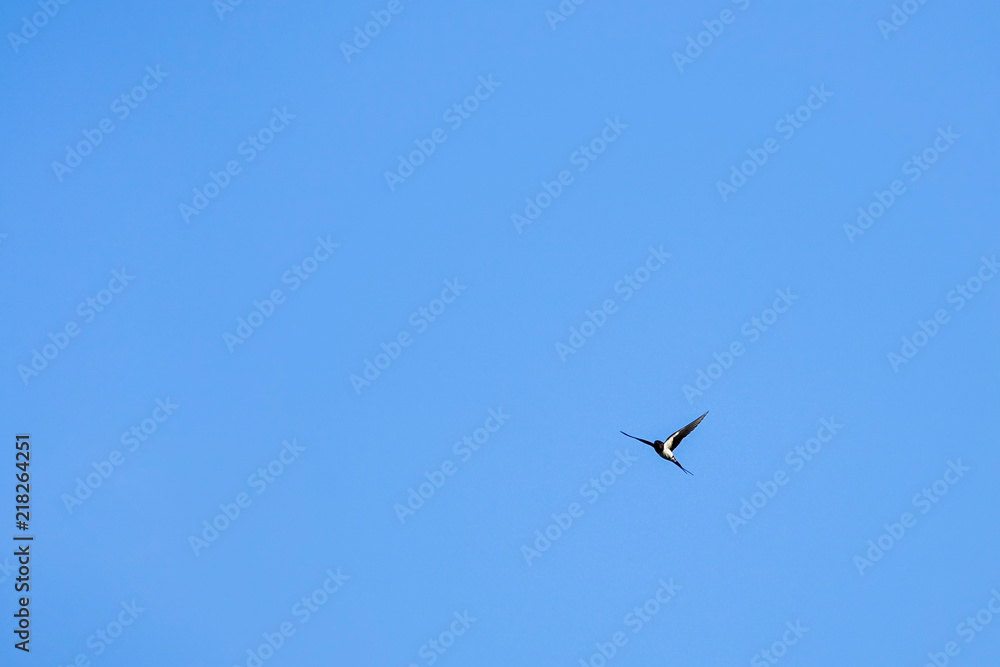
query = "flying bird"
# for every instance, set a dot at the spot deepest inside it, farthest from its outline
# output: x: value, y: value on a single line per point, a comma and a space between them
x: 666, y: 449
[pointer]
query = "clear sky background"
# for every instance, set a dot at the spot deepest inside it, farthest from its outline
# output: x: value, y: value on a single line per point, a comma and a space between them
x: 737, y: 587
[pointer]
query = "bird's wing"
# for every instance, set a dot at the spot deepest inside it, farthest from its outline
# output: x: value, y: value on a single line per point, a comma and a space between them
x: 639, y: 439
x: 676, y: 438
x: 681, y: 467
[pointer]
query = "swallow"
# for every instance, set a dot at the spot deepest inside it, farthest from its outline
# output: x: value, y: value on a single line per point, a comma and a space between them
x: 666, y: 449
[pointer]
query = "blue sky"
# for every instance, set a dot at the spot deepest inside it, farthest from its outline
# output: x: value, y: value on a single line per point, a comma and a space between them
x: 378, y: 312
